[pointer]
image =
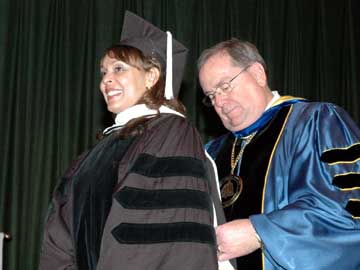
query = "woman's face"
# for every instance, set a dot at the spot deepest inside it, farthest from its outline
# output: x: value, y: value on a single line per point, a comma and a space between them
x: 122, y: 85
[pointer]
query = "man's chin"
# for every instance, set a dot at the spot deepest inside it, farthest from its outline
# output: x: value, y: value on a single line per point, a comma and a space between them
x: 232, y: 127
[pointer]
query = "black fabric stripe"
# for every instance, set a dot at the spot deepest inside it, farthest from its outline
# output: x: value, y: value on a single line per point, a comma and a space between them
x: 341, y: 155
x: 353, y: 207
x: 135, y: 198
x: 351, y: 180
x: 152, y: 166
x: 130, y: 233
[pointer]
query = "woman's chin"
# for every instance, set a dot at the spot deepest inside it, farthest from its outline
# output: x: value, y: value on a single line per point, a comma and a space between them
x: 114, y: 109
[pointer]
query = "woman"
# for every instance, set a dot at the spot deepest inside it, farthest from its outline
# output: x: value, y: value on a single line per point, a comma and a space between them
x: 140, y: 198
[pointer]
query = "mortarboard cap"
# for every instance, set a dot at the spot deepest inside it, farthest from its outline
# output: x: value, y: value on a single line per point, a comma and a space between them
x: 153, y: 42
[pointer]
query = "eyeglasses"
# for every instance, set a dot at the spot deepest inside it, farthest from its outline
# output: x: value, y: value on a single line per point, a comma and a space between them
x: 224, y: 88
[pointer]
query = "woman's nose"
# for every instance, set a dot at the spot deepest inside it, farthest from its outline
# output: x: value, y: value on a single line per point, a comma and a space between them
x: 107, y: 79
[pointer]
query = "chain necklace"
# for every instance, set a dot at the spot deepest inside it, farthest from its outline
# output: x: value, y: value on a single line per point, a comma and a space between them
x: 232, y: 185
x: 233, y: 161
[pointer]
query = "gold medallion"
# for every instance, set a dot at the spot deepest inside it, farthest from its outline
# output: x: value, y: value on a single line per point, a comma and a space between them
x: 231, y: 187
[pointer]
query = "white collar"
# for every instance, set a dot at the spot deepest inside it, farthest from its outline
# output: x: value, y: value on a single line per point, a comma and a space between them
x: 276, y: 96
x: 136, y: 111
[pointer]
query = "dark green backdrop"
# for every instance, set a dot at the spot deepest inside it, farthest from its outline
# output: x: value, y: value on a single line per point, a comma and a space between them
x: 50, y: 108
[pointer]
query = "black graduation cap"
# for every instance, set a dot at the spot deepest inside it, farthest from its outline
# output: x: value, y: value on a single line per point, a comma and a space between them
x: 152, y: 41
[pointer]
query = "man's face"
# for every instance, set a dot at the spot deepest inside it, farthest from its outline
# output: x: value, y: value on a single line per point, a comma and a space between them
x: 247, y: 100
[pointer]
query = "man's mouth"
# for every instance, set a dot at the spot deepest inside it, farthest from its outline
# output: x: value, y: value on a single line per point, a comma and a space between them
x: 228, y: 110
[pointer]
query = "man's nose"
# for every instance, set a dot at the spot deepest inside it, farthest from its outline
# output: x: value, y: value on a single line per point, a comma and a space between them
x: 219, y: 99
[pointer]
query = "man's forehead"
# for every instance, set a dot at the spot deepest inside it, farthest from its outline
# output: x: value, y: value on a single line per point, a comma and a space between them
x: 216, y: 70
x: 219, y: 58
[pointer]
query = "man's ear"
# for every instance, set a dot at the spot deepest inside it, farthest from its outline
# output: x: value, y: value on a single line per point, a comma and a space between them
x: 152, y: 76
x: 259, y: 74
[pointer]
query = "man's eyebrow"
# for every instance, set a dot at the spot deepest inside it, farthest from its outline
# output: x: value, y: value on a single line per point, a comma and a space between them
x: 206, y: 93
x: 220, y: 83
x: 223, y: 79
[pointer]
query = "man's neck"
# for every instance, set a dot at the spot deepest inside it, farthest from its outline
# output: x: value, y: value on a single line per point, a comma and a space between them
x: 275, y: 97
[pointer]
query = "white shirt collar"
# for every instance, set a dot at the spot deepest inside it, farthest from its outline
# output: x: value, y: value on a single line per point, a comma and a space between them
x: 136, y: 111
x: 276, y: 96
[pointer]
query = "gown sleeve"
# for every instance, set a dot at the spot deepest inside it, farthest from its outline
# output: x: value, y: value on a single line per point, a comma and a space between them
x: 162, y: 211
x: 311, y: 218
x: 57, y: 251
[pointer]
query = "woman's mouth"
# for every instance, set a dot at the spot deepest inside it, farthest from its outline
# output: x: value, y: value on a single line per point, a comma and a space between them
x: 112, y: 93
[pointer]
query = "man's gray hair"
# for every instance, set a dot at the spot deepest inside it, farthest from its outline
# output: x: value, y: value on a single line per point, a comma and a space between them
x: 242, y: 53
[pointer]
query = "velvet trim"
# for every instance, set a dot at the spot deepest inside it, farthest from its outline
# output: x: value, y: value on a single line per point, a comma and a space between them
x: 264, y: 119
x: 345, y: 155
x: 253, y: 166
x: 347, y: 181
x: 135, y: 198
x: 213, y: 147
x: 152, y: 166
x: 93, y: 186
x: 353, y: 207
x: 131, y: 233
x: 253, y: 170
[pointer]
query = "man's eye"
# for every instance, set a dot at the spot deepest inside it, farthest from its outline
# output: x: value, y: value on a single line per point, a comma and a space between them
x: 211, y: 96
x: 225, y: 87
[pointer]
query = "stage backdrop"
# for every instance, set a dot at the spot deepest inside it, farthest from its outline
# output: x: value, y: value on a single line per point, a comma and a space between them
x: 51, y: 109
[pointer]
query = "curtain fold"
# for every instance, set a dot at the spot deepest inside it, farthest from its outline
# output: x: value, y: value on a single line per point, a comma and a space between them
x: 51, y: 108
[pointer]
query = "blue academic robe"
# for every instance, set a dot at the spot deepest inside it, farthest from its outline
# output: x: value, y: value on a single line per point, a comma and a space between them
x: 309, y: 214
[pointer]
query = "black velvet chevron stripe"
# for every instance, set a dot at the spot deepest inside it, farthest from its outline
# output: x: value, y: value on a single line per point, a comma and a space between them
x: 342, y: 155
x: 152, y: 166
x: 351, y: 180
x: 130, y: 233
x: 135, y: 198
x: 353, y: 207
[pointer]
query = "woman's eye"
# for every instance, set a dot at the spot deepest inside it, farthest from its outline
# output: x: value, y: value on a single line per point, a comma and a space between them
x: 118, y: 69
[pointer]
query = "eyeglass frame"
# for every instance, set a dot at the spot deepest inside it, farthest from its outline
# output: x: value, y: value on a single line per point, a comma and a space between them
x: 209, y: 102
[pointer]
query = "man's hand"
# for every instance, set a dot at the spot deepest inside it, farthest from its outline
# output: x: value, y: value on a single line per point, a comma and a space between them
x: 235, y: 239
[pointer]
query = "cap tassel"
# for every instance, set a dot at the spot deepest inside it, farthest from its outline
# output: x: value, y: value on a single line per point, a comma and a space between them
x: 169, y: 71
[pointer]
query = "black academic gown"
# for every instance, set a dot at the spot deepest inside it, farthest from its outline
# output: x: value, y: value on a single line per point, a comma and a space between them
x: 137, y: 203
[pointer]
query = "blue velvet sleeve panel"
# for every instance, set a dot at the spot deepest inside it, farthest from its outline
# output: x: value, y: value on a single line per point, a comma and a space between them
x: 307, y: 223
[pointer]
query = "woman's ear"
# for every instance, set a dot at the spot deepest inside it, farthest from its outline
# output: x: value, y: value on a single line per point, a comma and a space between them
x: 152, y: 76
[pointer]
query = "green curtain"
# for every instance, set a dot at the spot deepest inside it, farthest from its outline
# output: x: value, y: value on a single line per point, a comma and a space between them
x: 51, y: 109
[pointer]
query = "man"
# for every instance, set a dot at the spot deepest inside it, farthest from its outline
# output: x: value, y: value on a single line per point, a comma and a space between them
x: 289, y: 169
